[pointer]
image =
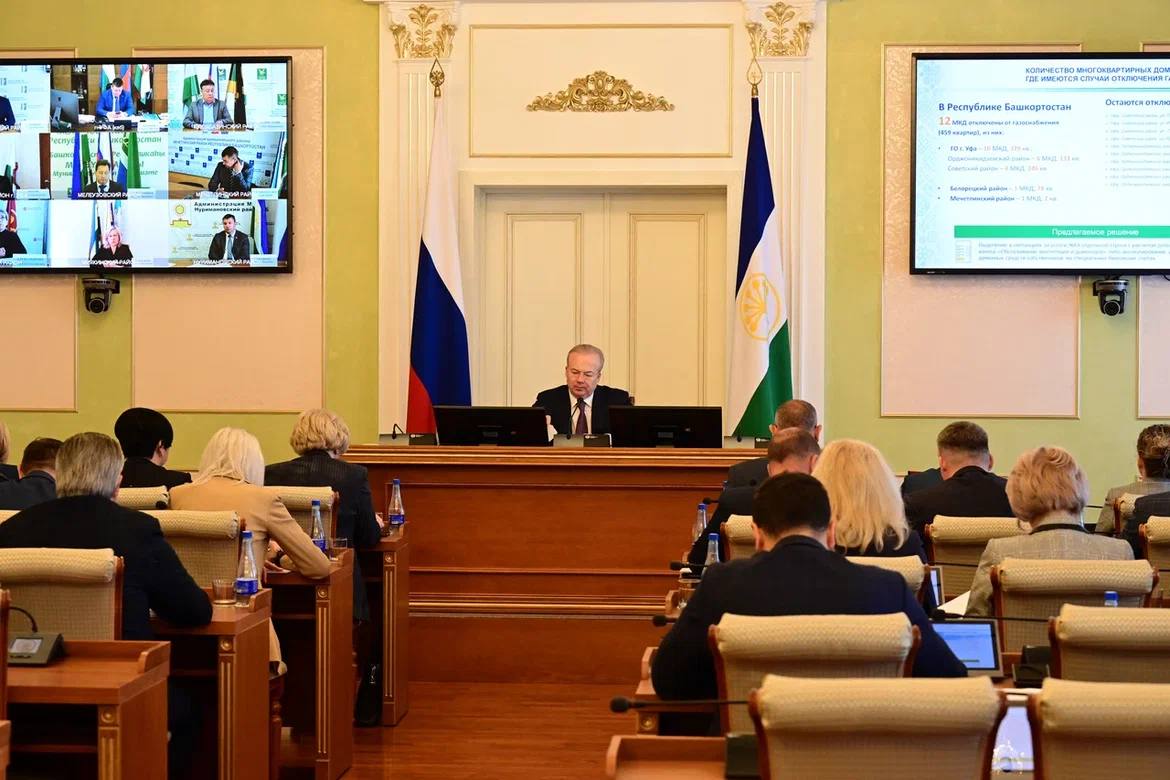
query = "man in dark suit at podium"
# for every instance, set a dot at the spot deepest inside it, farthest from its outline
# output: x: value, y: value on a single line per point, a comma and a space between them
x: 581, y: 405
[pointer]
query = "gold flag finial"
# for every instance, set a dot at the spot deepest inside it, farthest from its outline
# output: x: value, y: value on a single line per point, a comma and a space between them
x: 438, y: 77
x: 755, y: 74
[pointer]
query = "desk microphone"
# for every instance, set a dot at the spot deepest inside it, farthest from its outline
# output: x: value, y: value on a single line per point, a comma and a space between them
x: 709, y: 501
x: 624, y: 704
x: 680, y: 565
x: 396, y: 431
x: 662, y: 620
x: 941, y: 616
x: 34, y: 648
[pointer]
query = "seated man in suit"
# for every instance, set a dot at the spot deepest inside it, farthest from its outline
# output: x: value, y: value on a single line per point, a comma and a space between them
x: 86, y: 517
x: 1048, y: 492
x: 114, y: 103
x: 969, y: 489
x: 146, y: 437
x: 206, y: 112
x: 102, y: 186
x: 792, y: 451
x: 790, y: 414
x: 38, y: 476
x: 794, y: 572
x: 1153, y: 465
x: 231, y: 175
x: 921, y: 480
x: 581, y: 405
x: 230, y: 244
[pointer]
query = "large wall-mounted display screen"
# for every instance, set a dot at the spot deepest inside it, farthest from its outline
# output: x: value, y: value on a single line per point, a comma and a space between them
x: 145, y: 165
x: 1028, y: 163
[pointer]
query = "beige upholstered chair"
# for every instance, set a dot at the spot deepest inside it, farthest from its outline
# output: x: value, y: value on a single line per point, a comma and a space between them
x: 77, y: 593
x: 299, y: 502
x: 875, y: 729
x: 738, y: 539
x: 961, y: 541
x: 1123, y: 511
x: 1155, y: 536
x: 746, y: 648
x: 911, y: 567
x: 207, y: 543
x: 143, y: 498
x: 1037, y: 588
x: 1104, y: 644
x: 1100, y: 730
x: 6, y: 513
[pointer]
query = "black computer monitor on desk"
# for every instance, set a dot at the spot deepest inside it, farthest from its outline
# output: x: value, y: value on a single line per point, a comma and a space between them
x: 666, y: 426
x: 516, y: 426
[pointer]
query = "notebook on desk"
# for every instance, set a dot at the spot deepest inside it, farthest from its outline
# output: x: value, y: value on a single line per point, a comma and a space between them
x: 975, y: 642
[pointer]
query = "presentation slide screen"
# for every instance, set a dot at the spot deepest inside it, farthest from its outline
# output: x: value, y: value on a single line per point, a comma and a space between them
x: 1041, y: 164
x: 161, y: 165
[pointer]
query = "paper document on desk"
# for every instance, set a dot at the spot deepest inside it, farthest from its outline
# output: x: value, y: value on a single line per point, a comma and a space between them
x: 957, y: 605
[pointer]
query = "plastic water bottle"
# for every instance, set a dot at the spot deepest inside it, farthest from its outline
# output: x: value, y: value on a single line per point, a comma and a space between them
x: 247, y: 575
x: 700, y: 523
x: 318, y: 527
x: 396, y: 512
x: 1111, y: 598
x: 712, y: 552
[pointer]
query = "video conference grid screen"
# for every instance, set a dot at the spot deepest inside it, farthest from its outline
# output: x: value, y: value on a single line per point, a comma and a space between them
x: 145, y: 165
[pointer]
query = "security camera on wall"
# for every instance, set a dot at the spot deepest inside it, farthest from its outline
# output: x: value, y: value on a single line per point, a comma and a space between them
x: 98, y: 292
x: 1111, y: 295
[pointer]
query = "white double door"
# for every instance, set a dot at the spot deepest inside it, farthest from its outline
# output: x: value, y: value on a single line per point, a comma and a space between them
x: 642, y: 274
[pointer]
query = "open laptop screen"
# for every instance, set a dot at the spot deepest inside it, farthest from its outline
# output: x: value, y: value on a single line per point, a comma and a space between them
x: 974, y: 643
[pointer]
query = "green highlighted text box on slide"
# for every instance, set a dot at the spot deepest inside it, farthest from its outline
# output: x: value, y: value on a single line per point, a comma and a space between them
x: 1062, y: 231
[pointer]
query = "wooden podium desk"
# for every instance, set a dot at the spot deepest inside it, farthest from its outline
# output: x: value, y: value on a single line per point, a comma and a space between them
x: 225, y: 666
x: 314, y: 621
x: 386, y: 572
x: 103, y: 699
x: 541, y: 564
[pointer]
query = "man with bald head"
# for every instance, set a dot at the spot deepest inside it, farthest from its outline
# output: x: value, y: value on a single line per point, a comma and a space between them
x: 790, y: 414
x: 581, y: 405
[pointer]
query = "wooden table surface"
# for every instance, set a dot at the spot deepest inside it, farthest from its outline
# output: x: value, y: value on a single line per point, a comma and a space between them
x: 637, y: 757
x: 92, y: 672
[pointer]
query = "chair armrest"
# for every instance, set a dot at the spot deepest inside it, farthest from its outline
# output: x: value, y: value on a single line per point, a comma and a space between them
x: 648, y: 661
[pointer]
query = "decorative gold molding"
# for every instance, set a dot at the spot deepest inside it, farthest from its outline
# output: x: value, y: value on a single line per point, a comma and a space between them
x: 423, y: 32
x: 599, y: 92
x: 787, y: 32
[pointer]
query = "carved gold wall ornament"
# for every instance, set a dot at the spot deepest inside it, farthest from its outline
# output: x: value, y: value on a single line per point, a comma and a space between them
x: 423, y: 32
x: 599, y: 92
x: 786, y: 33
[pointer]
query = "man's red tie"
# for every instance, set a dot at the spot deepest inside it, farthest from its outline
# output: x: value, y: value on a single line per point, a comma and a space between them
x: 582, y: 421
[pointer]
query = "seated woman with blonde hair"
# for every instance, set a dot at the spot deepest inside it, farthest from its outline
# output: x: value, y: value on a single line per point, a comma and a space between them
x: 231, y: 478
x: 868, y: 515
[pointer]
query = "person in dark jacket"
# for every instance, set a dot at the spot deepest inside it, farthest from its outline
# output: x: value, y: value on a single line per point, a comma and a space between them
x: 795, y: 572
x: 320, y: 438
x: 8, y: 472
x: 38, y: 476
x: 146, y: 437
x: 84, y: 516
x: 969, y: 489
x: 581, y: 405
x: 790, y: 414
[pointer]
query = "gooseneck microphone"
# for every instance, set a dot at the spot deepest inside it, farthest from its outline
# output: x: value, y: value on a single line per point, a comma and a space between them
x: 31, y: 620
x: 624, y: 704
x: 941, y: 616
x: 662, y: 620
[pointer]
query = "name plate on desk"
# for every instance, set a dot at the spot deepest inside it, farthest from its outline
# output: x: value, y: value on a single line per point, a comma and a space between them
x: 582, y: 440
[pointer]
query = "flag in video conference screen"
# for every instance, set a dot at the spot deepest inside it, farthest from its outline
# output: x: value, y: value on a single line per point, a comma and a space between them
x: 145, y: 165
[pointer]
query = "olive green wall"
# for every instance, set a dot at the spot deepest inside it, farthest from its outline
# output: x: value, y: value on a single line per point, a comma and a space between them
x: 1103, y: 438
x: 348, y: 32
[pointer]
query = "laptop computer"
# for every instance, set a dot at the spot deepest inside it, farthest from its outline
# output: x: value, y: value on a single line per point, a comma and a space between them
x: 976, y: 643
x: 936, y: 583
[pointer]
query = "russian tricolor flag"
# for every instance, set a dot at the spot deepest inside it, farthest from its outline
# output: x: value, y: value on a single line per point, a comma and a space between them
x: 440, y: 371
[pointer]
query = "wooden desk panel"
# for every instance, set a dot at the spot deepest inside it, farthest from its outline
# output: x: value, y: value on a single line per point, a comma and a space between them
x: 226, y: 664
x: 314, y: 621
x: 520, y: 548
x: 386, y: 571
x: 120, y: 687
x: 673, y: 758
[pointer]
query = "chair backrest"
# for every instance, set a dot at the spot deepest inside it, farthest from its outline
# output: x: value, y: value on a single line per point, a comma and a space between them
x: 1100, y: 729
x: 207, y: 543
x: 911, y: 567
x: 1038, y: 588
x: 143, y: 498
x: 746, y: 648
x: 1104, y: 644
x: 77, y: 593
x: 875, y: 728
x: 299, y: 502
x: 1155, y: 535
x: 739, y: 540
x: 961, y: 541
x: 5, y: 602
x: 7, y: 513
x: 1122, y: 511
